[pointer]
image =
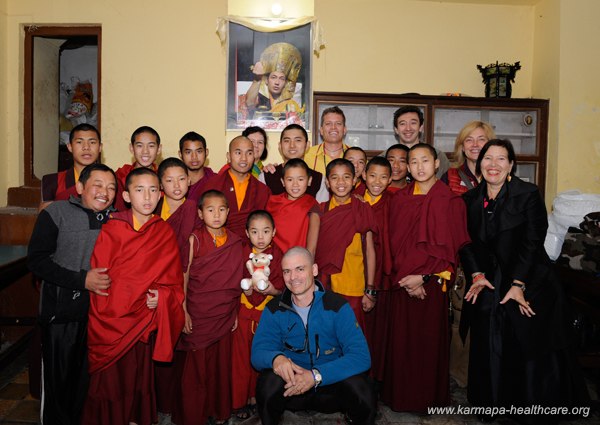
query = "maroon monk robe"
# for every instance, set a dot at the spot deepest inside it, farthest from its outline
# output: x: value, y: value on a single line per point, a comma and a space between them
x: 167, y: 375
x: 243, y: 375
x: 213, y: 297
x: 182, y: 221
x: 426, y: 232
x: 256, y: 198
x: 377, y: 320
x: 136, y: 261
x: 196, y: 190
x: 121, y: 325
x: 291, y: 219
x: 214, y: 290
x: 337, y: 229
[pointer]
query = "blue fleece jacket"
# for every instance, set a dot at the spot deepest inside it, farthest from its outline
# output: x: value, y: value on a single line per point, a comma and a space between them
x: 332, y: 341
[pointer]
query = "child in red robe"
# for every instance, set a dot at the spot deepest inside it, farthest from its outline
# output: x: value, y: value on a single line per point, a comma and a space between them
x: 260, y: 229
x: 296, y: 213
x: 345, y: 250
x: 145, y: 148
x: 213, y: 276
x: 174, y: 207
x: 378, y: 176
x: 397, y: 155
x: 141, y: 316
x: 244, y: 193
x: 427, y: 224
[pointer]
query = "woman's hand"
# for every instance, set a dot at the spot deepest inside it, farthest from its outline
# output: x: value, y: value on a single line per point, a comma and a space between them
x: 476, y: 288
x: 515, y: 293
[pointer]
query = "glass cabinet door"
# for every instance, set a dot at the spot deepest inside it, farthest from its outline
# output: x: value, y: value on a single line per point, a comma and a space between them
x: 518, y: 126
x: 370, y: 126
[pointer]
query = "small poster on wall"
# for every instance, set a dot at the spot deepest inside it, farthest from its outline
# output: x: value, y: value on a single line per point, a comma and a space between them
x: 268, y: 81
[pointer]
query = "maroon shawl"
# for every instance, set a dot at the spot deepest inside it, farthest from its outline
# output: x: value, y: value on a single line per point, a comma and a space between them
x: 426, y: 231
x: 338, y: 227
x: 213, y: 292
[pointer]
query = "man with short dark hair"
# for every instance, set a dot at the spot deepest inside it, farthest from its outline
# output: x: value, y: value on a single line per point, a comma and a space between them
x: 310, y: 350
x: 293, y: 143
x: 193, y: 152
x: 85, y: 145
x: 408, y: 126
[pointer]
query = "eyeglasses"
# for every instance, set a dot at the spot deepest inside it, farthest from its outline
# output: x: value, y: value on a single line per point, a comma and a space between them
x: 304, y: 347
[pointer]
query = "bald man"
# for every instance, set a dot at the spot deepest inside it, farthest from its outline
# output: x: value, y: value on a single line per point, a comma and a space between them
x: 310, y: 351
x: 243, y: 191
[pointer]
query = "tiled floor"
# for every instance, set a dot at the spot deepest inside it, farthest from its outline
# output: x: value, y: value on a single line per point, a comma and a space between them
x: 18, y: 408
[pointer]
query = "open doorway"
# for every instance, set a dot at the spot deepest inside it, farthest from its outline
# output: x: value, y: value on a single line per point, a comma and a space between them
x: 62, y: 89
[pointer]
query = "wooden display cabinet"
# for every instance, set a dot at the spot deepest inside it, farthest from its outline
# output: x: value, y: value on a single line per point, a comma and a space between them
x: 369, y: 119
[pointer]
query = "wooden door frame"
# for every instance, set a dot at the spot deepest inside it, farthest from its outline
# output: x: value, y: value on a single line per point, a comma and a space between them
x: 32, y: 31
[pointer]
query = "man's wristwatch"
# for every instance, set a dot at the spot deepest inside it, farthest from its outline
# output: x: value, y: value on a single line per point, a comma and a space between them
x: 317, y: 376
x: 426, y: 277
x: 371, y: 292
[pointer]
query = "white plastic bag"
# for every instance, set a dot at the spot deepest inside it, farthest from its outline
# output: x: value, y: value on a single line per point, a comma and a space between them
x: 568, y: 209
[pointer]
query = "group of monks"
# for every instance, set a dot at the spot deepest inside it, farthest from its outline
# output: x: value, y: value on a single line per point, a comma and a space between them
x: 385, y: 242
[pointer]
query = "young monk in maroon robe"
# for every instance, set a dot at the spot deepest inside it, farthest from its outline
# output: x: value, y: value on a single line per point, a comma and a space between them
x: 182, y: 215
x: 174, y: 207
x: 145, y: 147
x: 141, y: 316
x: 377, y: 177
x: 244, y: 193
x: 345, y: 250
x: 295, y: 212
x: 193, y: 152
x: 213, y: 276
x: 85, y: 145
x: 427, y: 228
x: 260, y: 229
x: 397, y: 155
x: 358, y: 158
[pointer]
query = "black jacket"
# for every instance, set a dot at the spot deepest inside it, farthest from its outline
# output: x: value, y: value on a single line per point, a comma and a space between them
x: 510, y: 246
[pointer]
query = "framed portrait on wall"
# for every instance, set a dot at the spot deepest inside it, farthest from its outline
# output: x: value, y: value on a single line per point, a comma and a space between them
x: 268, y: 77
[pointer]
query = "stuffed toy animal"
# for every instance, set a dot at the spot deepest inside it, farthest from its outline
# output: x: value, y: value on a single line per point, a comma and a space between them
x: 258, y: 266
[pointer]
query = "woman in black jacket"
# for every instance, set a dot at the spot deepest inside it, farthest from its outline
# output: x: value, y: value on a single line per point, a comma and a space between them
x: 516, y: 309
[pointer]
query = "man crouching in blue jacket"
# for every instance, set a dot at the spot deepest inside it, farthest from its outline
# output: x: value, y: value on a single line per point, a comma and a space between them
x: 310, y: 351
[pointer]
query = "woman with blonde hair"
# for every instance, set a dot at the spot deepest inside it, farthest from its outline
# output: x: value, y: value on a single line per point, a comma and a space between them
x: 461, y: 178
x: 471, y: 138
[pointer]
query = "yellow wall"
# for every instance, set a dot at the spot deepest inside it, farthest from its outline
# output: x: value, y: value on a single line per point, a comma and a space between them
x: 397, y: 46
x: 546, y: 77
x: 168, y: 69
x: 579, y: 106
x: 566, y: 69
